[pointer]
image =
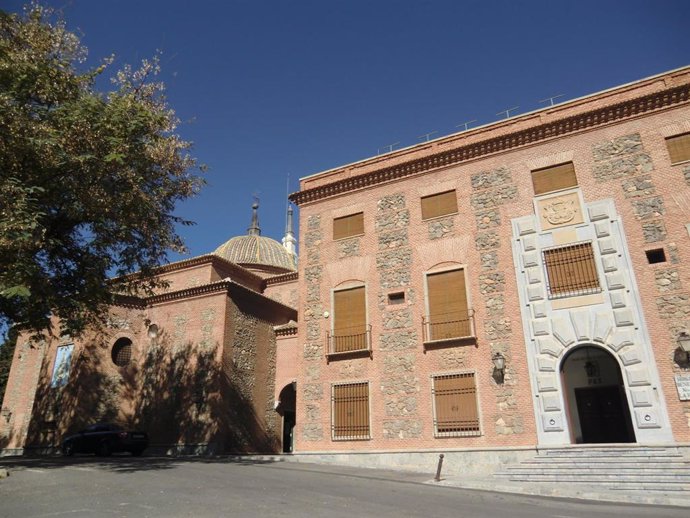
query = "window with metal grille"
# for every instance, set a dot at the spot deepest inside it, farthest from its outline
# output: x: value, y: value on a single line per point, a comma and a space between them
x: 679, y: 148
x: 456, y: 412
x: 571, y: 270
x: 554, y: 178
x: 350, y: 416
x: 348, y: 226
x: 448, y: 314
x: 122, y: 352
x: 439, y: 204
x: 349, y: 321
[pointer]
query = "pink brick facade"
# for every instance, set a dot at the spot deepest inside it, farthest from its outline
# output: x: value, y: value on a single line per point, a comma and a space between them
x: 616, y: 141
x: 205, y: 382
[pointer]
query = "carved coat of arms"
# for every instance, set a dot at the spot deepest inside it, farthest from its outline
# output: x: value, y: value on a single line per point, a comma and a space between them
x: 560, y: 211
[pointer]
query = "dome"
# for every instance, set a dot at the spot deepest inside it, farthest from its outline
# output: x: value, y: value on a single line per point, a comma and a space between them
x: 253, y: 249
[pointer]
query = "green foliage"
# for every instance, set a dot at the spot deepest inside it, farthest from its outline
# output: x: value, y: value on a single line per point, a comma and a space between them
x: 88, y: 180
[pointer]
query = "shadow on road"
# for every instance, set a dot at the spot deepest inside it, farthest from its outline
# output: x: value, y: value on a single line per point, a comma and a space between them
x: 125, y: 463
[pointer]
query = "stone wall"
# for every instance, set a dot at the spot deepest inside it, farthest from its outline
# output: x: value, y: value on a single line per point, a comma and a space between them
x: 399, y: 384
x: 491, y: 190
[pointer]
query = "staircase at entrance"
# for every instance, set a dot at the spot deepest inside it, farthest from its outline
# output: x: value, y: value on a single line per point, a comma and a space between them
x: 657, y: 469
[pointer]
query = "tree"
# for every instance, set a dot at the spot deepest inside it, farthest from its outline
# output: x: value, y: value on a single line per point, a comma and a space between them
x: 88, y: 180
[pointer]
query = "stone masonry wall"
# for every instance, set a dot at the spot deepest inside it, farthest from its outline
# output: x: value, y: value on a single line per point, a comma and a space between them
x: 491, y: 190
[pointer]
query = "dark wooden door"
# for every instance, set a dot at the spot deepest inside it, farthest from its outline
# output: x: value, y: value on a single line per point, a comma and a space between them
x: 604, y: 416
x: 288, y: 429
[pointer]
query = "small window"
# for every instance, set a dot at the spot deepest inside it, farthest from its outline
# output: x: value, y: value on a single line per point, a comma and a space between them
x: 679, y: 148
x: 554, y: 178
x: 350, y: 417
x: 571, y: 270
x: 456, y: 412
x: 348, y: 226
x: 439, y: 204
x: 396, y: 298
x: 656, y: 256
x: 122, y: 352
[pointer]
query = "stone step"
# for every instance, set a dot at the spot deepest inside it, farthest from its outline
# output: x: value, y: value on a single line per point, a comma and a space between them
x: 685, y: 470
x: 660, y: 475
x: 613, y: 455
x: 589, y: 478
x: 610, y: 451
x: 623, y: 463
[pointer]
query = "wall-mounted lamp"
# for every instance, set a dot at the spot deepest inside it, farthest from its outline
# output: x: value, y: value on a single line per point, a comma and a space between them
x: 684, y: 343
x: 499, y: 367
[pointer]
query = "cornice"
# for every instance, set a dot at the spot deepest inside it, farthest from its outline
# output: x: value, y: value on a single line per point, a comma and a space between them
x: 284, y: 277
x: 204, y: 289
x: 565, y: 126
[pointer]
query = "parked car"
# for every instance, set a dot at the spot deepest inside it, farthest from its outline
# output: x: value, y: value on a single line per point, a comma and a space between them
x: 104, y: 439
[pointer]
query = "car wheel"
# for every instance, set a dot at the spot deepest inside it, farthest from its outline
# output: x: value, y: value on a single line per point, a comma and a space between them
x: 137, y: 453
x: 68, y: 449
x: 103, y: 449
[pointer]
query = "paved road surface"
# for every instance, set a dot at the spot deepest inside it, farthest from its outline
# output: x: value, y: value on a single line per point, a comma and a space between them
x: 163, y: 487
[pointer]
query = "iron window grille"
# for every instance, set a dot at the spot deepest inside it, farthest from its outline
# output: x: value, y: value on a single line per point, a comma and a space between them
x: 571, y: 270
x: 350, y: 411
x: 122, y: 352
x: 456, y: 411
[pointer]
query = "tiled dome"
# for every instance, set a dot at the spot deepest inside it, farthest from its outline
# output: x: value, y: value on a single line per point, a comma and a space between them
x: 255, y: 249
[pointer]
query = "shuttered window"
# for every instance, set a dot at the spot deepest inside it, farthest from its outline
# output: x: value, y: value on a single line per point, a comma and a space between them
x: 554, y: 178
x: 350, y: 419
x: 349, y: 320
x: 447, y: 300
x: 348, y: 226
x: 439, y: 204
x: 455, y: 405
x: 679, y: 148
x: 571, y: 270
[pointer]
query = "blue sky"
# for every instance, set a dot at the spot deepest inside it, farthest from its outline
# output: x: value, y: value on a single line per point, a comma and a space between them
x: 267, y: 89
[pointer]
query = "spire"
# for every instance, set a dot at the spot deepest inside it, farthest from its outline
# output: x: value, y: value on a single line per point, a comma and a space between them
x: 289, y: 241
x: 254, y: 229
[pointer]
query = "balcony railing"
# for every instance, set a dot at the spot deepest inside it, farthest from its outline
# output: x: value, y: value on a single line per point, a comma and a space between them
x: 347, y: 341
x: 456, y: 325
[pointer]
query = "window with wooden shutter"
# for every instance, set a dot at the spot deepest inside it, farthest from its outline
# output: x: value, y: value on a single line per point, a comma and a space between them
x: 349, y: 321
x: 679, y: 148
x: 554, y: 178
x: 448, y: 316
x: 456, y: 412
x: 348, y: 226
x: 350, y: 418
x: 571, y: 270
x: 439, y: 204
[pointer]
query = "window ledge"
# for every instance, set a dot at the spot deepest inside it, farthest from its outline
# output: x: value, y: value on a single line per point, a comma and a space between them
x: 450, y: 342
x: 348, y: 237
x: 442, y: 216
x: 357, y: 353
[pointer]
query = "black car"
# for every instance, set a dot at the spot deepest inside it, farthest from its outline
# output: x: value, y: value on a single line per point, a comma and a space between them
x: 104, y: 439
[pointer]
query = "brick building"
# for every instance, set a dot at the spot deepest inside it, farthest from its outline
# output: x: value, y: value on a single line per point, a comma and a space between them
x: 518, y: 285
x: 199, y: 365
x: 521, y: 285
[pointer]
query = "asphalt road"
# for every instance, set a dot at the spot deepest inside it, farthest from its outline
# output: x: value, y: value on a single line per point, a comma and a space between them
x: 164, y: 487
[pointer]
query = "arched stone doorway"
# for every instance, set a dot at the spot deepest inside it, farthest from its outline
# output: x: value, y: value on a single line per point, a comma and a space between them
x: 286, y: 408
x: 596, y: 405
